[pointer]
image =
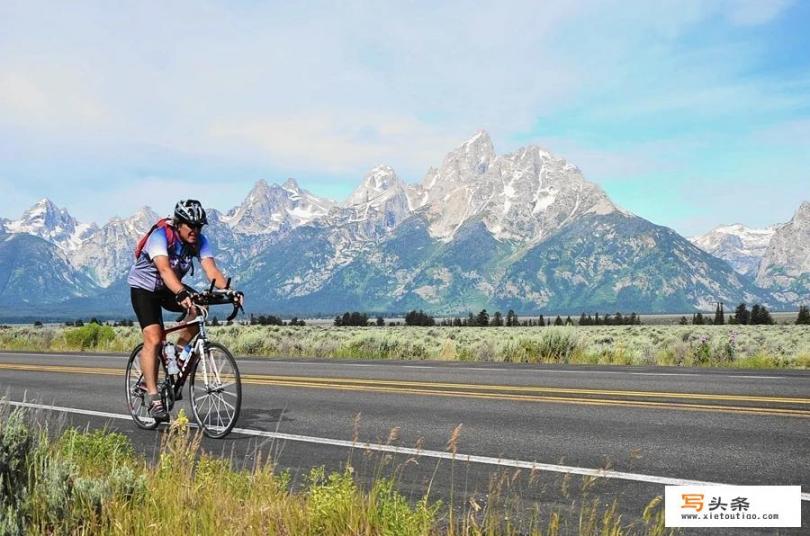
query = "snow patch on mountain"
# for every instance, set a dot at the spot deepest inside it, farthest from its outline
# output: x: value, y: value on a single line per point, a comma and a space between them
x: 45, y: 220
x: 742, y: 247
x: 522, y: 196
x: 272, y: 208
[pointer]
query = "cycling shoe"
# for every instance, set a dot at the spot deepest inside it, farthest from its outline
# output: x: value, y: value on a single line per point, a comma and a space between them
x: 158, y: 412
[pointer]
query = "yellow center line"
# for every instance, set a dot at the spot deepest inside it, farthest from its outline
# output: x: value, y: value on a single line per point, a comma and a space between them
x: 553, y: 399
x: 532, y: 389
x: 496, y: 392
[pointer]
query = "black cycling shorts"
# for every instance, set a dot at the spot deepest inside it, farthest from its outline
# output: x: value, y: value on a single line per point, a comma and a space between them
x: 148, y: 305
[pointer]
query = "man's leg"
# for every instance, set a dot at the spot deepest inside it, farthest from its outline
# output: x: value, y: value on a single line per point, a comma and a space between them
x: 186, y: 334
x: 152, y: 337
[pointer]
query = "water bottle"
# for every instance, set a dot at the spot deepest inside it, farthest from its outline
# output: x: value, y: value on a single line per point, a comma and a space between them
x: 184, y: 355
x: 171, y: 359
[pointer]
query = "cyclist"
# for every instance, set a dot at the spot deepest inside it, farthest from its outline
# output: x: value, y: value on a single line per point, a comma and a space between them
x: 155, y: 282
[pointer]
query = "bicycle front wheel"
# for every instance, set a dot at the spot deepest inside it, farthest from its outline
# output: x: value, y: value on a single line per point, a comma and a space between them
x: 215, y: 391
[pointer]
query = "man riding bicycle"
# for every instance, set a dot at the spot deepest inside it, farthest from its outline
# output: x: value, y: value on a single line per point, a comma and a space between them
x: 155, y: 282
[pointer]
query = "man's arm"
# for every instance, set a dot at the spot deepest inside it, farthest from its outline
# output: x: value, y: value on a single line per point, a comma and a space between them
x: 212, y: 272
x: 167, y: 274
x: 170, y: 279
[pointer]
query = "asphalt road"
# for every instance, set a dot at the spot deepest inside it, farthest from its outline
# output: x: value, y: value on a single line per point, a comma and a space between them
x: 644, y: 427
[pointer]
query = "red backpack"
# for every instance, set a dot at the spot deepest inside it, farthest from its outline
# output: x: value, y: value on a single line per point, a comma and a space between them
x: 163, y: 223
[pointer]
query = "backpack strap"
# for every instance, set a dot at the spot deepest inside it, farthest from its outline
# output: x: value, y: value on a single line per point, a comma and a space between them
x: 142, y: 242
x: 166, y: 225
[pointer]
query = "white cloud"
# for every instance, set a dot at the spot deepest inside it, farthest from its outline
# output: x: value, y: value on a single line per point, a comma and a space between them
x: 339, y: 88
x: 755, y: 12
x: 337, y: 143
x: 49, y: 100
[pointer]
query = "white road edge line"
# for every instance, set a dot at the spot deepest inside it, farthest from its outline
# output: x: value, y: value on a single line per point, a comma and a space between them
x: 503, y: 462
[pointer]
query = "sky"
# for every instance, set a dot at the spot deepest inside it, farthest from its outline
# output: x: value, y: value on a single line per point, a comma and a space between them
x: 688, y: 113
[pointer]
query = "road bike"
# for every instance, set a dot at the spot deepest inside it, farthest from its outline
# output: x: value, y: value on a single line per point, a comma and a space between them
x: 214, y: 383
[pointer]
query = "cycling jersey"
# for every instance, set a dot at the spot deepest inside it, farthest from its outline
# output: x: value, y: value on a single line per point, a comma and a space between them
x: 144, y: 274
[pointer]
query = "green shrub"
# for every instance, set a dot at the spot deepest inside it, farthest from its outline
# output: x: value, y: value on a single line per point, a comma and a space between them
x: 90, y: 336
x: 99, y: 450
x: 332, y: 502
x: 16, y: 443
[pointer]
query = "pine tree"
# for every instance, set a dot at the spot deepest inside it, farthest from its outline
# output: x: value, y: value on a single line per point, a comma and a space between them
x: 583, y: 321
x: 497, y: 319
x: 742, y: 315
x: 568, y: 321
x: 804, y: 315
x: 760, y: 315
x: 719, y: 316
x: 483, y: 318
x: 558, y: 321
x: 683, y: 321
x: 541, y: 322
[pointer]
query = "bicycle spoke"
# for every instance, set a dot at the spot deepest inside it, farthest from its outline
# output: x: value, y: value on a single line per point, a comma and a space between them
x: 226, y: 404
x: 215, y: 377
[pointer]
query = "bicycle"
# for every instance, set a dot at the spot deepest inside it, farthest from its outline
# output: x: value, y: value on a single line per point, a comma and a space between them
x: 214, y: 383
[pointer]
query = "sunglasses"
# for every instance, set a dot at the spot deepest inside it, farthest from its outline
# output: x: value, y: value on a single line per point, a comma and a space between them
x: 197, y: 228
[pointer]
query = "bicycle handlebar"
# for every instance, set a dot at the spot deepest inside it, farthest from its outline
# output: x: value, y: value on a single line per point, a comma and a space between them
x: 219, y: 297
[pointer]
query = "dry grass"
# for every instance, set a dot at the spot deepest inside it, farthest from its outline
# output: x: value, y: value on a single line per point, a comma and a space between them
x: 94, y: 483
x: 724, y: 346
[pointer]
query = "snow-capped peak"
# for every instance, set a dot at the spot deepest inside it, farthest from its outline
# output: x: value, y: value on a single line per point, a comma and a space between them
x: 520, y: 196
x: 45, y: 220
x: 291, y: 185
x: 744, y: 237
x: 742, y: 247
x: 269, y: 208
x: 379, y: 184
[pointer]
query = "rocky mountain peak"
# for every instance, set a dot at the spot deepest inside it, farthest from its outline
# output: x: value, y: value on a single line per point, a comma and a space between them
x: 379, y: 184
x: 45, y: 220
x: 742, y: 247
x: 269, y: 208
x: 291, y: 185
x: 472, y: 156
x: 520, y: 196
x: 44, y: 213
x: 786, y: 263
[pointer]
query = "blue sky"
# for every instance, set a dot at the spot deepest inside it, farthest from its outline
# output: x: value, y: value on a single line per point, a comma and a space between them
x: 688, y: 113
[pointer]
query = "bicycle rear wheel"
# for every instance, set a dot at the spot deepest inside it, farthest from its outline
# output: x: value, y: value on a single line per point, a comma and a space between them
x: 136, y: 392
x: 215, y: 391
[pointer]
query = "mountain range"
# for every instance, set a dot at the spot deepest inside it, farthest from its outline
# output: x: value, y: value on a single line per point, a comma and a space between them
x: 523, y: 230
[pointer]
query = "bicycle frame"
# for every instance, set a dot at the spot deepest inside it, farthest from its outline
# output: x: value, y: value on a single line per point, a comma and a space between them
x: 198, y: 349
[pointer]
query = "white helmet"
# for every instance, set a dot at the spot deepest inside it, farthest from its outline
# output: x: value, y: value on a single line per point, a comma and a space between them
x: 190, y: 211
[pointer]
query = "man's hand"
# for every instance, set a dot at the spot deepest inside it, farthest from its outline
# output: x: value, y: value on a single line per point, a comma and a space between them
x: 184, y: 299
